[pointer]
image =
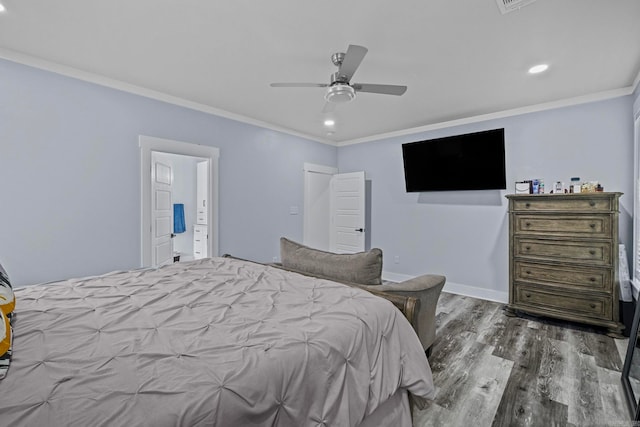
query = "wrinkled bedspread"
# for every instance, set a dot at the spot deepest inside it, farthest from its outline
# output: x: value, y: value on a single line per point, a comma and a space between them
x: 216, y: 341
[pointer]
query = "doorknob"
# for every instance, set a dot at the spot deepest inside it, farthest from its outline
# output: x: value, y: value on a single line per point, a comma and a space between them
x: 360, y: 229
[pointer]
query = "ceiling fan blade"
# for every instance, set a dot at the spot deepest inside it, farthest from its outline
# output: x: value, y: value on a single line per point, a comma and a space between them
x: 352, y: 59
x: 299, y: 85
x: 383, y: 89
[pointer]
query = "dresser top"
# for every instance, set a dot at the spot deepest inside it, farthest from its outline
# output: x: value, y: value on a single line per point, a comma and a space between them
x: 565, y: 195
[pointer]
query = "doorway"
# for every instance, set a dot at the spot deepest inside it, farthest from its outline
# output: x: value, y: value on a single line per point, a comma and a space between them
x: 210, y: 155
x: 334, y: 209
x: 317, y: 199
x: 184, y: 193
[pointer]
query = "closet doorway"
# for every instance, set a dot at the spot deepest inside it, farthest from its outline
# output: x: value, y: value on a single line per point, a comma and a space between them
x: 334, y: 209
x: 169, y: 176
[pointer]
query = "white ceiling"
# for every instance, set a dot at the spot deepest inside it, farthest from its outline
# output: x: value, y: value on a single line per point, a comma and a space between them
x: 459, y: 59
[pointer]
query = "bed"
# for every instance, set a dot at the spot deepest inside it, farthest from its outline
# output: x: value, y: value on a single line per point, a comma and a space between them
x: 213, y: 342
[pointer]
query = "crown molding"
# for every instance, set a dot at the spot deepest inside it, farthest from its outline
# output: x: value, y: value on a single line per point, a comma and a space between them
x: 98, y: 79
x: 585, y: 99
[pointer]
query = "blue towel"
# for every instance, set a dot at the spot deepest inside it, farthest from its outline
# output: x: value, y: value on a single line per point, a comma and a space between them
x: 178, y: 218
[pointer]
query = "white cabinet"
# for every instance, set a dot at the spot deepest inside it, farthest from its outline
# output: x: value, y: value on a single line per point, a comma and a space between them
x: 201, y: 216
x: 202, y: 204
x: 200, y: 236
x: 200, y: 229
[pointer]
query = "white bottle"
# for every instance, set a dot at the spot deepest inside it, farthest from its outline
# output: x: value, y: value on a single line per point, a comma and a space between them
x: 576, y: 186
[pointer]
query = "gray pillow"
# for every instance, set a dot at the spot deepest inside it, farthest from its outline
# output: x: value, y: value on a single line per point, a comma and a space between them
x: 364, y: 268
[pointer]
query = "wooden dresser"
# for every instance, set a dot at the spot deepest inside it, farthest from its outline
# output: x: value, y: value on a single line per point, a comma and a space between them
x: 563, y: 251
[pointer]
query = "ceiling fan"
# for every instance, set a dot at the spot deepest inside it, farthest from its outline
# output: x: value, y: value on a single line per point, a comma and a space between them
x: 340, y: 89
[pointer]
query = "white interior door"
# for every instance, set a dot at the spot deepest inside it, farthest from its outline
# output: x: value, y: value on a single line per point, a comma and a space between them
x: 347, y: 208
x: 161, y: 213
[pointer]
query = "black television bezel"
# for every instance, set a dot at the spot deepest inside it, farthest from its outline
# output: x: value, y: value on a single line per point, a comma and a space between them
x: 470, y: 184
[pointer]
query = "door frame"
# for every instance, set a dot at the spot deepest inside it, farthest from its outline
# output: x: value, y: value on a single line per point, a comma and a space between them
x: 149, y: 144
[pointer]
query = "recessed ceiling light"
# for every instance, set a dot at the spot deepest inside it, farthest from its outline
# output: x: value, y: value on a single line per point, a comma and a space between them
x: 538, y: 68
x: 2, y: 8
x: 329, y: 122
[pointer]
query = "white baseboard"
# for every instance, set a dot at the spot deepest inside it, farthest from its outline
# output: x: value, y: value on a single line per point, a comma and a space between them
x: 475, y: 292
x: 395, y: 277
x: 456, y: 288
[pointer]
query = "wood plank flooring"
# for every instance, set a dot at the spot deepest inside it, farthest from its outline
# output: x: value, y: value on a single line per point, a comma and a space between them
x: 493, y: 370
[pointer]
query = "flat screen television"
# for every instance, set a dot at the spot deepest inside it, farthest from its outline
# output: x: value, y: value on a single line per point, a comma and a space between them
x: 473, y: 161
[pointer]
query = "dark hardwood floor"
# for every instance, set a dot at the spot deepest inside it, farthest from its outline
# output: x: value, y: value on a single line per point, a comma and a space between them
x: 493, y: 370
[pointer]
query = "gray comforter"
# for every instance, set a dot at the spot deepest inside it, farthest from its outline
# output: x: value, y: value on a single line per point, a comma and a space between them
x: 212, y: 342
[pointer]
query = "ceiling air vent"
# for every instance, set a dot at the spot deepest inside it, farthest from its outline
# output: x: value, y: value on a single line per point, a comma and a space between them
x: 507, y: 6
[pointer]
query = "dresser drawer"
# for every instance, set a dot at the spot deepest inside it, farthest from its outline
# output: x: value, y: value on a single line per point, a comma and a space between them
x: 588, y: 252
x: 585, y: 278
x: 563, y: 303
x: 596, y: 226
x: 571, y: 203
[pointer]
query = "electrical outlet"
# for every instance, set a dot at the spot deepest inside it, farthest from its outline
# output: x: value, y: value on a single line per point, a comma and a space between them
x: 396, y: 259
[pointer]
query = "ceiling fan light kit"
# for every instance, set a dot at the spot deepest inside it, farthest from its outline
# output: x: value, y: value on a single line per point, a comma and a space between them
x: 340, y: 93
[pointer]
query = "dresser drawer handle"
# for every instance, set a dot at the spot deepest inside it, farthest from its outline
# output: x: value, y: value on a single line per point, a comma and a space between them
x: 527, y: 295
x: 592, y: 252
x: 592, y: 225
x: 592, y: 305
x: 527, y: 248
x: 592, y: 203
x: 527, y: 205
x: 527, y: 224
x: 593, y: 279
x: 528, y: 272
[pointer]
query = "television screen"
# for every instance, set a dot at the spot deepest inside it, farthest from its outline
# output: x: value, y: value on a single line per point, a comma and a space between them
x: 473, y: 161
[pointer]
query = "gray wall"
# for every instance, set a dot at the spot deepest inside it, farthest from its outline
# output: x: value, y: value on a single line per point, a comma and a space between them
x: 70, y: 176
x: 464, y: 235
